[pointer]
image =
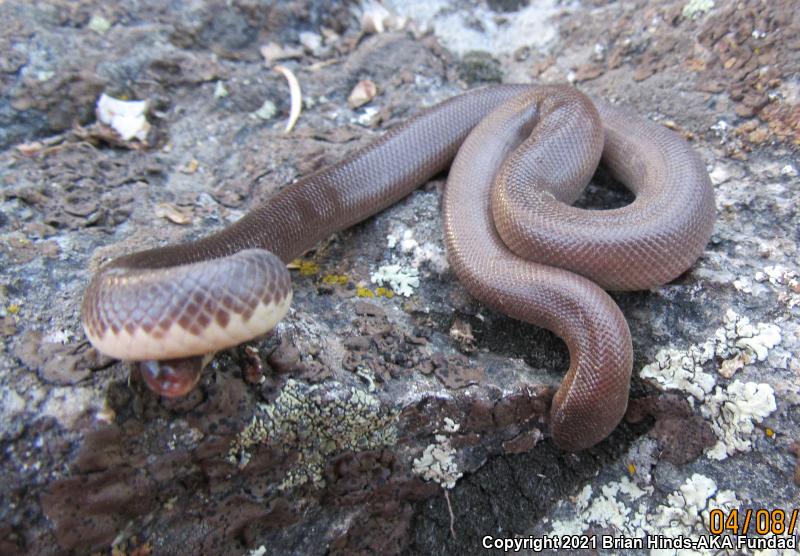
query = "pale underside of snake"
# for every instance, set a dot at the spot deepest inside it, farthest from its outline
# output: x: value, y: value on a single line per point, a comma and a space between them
x: 519, y: 155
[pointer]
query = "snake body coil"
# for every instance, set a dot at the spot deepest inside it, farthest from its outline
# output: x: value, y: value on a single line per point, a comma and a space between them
x: 522, y: 154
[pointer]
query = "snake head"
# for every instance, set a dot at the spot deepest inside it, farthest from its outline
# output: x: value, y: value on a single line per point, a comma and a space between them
x: 173, y: 378
x: 168, y: 317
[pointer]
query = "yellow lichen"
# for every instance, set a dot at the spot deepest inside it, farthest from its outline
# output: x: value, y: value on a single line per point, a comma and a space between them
x: 306, y: 268
x: 340, y: 279
x: 384, y: 292
x: 361, y: 291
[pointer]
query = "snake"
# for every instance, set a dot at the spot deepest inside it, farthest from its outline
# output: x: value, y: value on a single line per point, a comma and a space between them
x: 518, y: 158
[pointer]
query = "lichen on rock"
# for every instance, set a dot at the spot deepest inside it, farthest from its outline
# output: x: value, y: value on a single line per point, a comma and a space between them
x: 732, y: 411
x: 317, y: 422
x: 401, y: 280
x: 438, y: 461
x: 623, y: 508
x: 737, y: 342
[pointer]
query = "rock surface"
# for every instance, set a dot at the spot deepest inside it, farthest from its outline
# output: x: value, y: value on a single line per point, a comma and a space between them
x: 371, y: 420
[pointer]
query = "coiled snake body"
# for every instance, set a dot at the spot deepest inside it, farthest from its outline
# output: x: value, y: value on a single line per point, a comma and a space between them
x: 520, y: 155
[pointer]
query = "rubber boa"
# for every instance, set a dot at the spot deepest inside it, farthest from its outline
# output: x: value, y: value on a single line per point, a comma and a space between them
x: 520, y: 155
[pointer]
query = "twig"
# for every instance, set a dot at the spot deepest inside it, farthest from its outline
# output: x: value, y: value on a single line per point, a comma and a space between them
x: 295, y: 94
x: 452, y: 517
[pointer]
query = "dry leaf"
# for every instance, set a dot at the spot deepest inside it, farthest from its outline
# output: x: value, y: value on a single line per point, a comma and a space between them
x: 172, y: 213
x: 364, y: 91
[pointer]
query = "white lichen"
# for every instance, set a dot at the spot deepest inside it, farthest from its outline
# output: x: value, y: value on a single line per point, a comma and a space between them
x: 733, y: 413
x: 687, y: 509
x: 686, y: 504
x: 623, y: 507
x: 438, y: 461
x: 366, y: 374
x: 605, y: 510
x: 431, y: 254
x: 267, y: 111
x: 643, y: 455
x: 682, y: 370
x: 743, y: 285
x: 738, y: 335
x: 776, y: 275
x: 531, y: 26
x: 737, y: 343
x: 450, y: 426
x: 403, y: 239
x: 367, y: 115
x: 723, y: 172
x: 438, y: 464
x: 721, y: 129
x: 785, y: 279
x: 403, y: 281
x: 693, y: 8
x: 311, y: 41
x: 219, y: 90
x: 67, y: 405
x: 61, y: 336
x: 99, y: 24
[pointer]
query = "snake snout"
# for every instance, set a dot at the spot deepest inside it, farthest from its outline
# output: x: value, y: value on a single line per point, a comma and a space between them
x: 172, y: 378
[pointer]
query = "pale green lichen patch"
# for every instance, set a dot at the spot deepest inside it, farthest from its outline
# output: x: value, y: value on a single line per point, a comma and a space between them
x: 737, y: 343
x: 438, y: 464
x: 414, y: 253
x: 622, y: 507
x: 693, y: 8
x: 438, y: 461
x: 785, y: 280
x: 317, y: 421
x: 402, y: 280
x: 733, y: 411
x: 266, y: 112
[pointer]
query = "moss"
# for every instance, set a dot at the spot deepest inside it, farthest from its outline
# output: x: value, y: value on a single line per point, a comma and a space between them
x: 332, y: 417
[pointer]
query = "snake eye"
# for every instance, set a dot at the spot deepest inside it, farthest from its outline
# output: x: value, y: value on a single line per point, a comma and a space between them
x: 172, y: 378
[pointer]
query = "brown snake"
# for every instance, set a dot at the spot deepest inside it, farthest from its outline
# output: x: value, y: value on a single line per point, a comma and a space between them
x: 522, y: 155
